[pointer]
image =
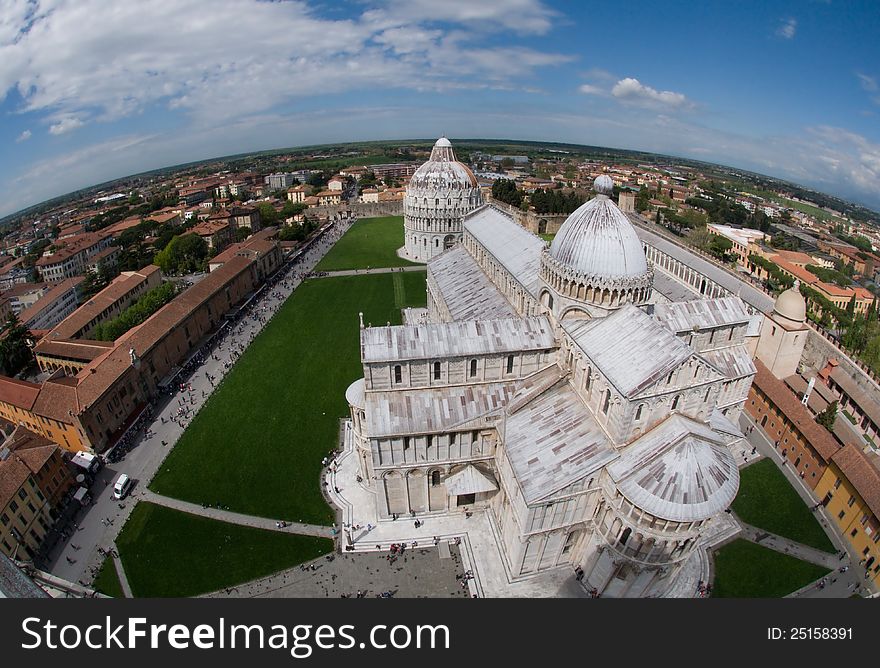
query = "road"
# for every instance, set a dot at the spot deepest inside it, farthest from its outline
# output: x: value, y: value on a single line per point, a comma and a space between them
x: 77, y: 558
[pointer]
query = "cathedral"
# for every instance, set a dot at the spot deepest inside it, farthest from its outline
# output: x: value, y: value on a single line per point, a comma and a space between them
x: 553, y: 388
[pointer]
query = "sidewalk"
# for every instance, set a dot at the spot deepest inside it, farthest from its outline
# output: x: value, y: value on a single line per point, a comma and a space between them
x: 235, y: 518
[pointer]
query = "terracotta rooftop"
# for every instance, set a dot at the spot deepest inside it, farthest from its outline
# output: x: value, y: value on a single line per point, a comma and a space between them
x: 862, y: 473
x: 13, y: 474
x: 72, y: 246
x: 49, y: 298
x: 72, y: 326
x: 803, y: 275
x: 211, y: 226
x: 18, y: 392
x: 795, y: 412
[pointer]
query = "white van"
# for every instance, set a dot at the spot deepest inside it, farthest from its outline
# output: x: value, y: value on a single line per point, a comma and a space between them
x: 122, y: 486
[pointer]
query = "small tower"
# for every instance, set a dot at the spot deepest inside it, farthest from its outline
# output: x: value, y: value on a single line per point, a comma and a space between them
x: 784, y: 333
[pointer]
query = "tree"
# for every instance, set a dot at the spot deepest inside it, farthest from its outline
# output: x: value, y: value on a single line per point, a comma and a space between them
x: 851, y: 307
x: 826, y: 418
x: 15, y: 350
x: 268, y: 214
x: 242, y: 233
x: 183, y: 254
x: 505, y: 190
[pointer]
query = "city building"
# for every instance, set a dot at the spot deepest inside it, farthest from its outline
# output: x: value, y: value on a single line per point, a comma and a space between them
x: 850, y: 492
x: 72, y: 258
x: 58, y: 303
x: 744, y: 240
x: 279, y: 181
x: 790, y: 426
x: 440, y: 193
x: 216, y: 231
x: 298, y: 194
x: 98, y: 389
x: 34, y: 479
x: 551, y: 389
x: 784, y: 334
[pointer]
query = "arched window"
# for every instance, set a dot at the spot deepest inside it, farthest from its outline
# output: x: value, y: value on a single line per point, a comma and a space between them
x: 398, y: 373
x: 435, y: 478
x: 510, y: 364
x: 473, y: 368
x: 639, y: 412
x: 676, y: 401
x: 625, y: 536
x: 588, y: 381
x: 607, y: 402
x: 436, y: 370
x: 669, y: 377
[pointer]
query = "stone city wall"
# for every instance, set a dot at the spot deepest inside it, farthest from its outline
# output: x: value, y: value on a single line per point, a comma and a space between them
x: 536, y: 223
x: 359, y: 209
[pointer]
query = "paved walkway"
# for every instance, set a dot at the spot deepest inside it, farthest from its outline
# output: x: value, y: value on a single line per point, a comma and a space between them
x: 362, y: 272
x: 236, y: 518
x: 417, y: 573
x: 782, y: 544
x: 120, y: 573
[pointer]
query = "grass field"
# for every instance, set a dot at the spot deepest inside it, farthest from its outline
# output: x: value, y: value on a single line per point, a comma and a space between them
x: 169, y: 553
x: 107, y: 580
x: 370, y: 243
x: 766, y: 500
x: 746, y: 570
x: 257, y: 445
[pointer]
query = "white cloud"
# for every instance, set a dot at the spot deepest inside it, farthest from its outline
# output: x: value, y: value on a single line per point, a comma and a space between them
x: 590, y: 89
x: 787, y: 29
x: 24, y: 136
x: 633, y: 91
x: 520, y: 16
x: 64, y: 125
x: 174, y: 53
x: 868, y: 83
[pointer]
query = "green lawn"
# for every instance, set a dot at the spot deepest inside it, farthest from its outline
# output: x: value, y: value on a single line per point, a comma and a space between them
x: 370, y: 243
x: 766, y: 500
x: 257, y: 445
x: 169, y: 553
x: 107, y: 580
x: 747, y: 570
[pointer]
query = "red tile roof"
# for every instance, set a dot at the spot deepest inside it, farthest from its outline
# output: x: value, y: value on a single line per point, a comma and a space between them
x: 795, y: 412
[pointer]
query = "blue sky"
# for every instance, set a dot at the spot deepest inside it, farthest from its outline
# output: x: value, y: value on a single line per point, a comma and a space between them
x: 93, y: 90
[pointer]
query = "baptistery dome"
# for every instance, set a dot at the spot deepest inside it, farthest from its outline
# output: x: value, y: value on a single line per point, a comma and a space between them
x: 596, y: 257
x: 438, y: 196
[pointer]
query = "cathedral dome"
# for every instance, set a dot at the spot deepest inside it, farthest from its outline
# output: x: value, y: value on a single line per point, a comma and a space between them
x: 598, y: 239
x: 791, y: 304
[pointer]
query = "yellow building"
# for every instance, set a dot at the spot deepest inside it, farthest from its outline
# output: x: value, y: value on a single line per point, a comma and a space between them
x: 850, y: 492
x: 33, y: 480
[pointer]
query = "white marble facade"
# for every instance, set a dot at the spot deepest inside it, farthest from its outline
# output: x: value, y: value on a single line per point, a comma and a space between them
x: 550, y: 390
x: 440, y: 193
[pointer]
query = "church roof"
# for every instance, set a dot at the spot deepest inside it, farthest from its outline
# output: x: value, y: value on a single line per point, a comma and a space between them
x: 429, y: 411
x: 597, y: 239
x: 513, y: 247
x: 678, y: 471
x: 470, y: 480
x: 733, y: 362
x: 441, y: 172
x: 630, y: 348
x: 702, y: 314
x: 465, y: 289
x: 455, y: 339
x: 554, y: 441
